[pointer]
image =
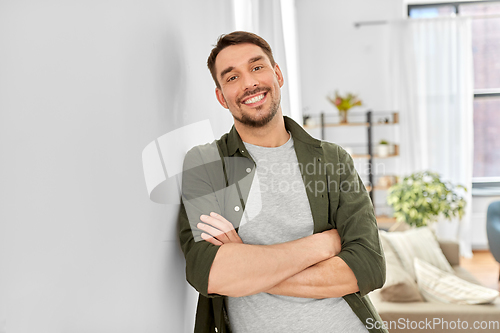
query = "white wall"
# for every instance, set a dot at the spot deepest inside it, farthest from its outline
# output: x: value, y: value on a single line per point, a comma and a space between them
x: 336, y: 55
x: 84, y: 87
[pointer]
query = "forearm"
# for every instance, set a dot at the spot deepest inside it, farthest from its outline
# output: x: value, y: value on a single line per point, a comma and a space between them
x: 242, y: 269
x: 327, y: 279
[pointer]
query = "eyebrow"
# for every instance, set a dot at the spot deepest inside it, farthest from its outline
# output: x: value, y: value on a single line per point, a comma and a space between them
x: 230, y: 68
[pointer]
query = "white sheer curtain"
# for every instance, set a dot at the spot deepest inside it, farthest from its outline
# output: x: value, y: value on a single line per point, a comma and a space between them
x: 433, y: 87
x: 275, y: 21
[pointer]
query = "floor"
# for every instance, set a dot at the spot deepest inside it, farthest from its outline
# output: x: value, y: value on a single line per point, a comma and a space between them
x: 484, y: 268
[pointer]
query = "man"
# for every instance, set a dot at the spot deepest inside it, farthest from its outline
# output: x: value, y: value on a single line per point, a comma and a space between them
x: 278, y: 232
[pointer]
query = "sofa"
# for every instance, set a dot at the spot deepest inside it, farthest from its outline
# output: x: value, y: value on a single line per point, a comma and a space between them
x: 425, y: 316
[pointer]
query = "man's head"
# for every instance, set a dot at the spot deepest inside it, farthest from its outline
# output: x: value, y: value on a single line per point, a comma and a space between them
x: 247, y: 78
x: 235, y: 38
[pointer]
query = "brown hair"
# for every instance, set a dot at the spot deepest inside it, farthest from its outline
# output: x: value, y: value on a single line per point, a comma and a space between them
x: 234, y: 38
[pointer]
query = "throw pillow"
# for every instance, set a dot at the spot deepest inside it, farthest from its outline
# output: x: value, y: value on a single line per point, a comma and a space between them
x: 418, y: 243
x: 443, y: 287
x: 399, y: 286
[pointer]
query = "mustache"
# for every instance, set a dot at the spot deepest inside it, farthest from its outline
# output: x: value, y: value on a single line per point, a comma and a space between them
x: 253, y: 92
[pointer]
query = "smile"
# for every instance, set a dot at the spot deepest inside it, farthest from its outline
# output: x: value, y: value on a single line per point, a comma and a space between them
x: 255, y: 99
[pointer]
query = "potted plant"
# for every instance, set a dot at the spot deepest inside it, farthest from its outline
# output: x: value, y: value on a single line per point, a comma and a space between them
x: 422, y: 197
x: 344, y: 104
x: 383, y: 148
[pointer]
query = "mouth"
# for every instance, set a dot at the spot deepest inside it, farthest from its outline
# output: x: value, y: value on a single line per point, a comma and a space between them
x: 255, y: 99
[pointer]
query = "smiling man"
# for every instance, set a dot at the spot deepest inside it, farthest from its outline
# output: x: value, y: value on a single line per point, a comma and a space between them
x: 277, y: 229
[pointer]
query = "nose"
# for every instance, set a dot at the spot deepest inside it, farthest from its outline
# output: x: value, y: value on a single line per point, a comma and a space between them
x: 249, y: 81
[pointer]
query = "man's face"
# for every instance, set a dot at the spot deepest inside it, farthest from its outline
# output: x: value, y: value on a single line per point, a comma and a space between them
x: 249, y: 84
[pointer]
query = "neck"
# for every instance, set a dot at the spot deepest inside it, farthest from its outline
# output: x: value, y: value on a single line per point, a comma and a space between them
x: 273, y: 134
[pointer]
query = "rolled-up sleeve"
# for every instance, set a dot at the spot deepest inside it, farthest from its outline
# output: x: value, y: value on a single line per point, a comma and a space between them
x: 357, y: 226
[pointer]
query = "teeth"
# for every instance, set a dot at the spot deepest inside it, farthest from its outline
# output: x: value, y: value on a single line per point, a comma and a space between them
x: 254, y: 99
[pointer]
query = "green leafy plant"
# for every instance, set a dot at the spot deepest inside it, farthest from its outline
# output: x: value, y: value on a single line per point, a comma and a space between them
x: 344, y: 103
x: 383, y: 142
x: 422, y: 197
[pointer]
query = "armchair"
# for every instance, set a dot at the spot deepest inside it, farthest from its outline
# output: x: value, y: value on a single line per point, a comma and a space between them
x: 493, y: 229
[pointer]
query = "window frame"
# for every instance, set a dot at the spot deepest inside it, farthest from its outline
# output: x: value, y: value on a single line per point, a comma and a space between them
x: 455, y: 4
x: 481, y: 186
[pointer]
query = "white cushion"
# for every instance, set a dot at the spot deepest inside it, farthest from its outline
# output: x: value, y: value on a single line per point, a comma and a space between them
x: 399, y: 286
x: 443, y: 287
x: 417, y: 243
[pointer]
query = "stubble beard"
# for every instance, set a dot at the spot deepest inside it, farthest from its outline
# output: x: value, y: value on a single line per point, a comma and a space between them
x: 246, y: 119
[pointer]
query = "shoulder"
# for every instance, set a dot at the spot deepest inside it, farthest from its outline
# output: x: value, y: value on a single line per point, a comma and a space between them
x: 201, y: 155
x: 335, y: 152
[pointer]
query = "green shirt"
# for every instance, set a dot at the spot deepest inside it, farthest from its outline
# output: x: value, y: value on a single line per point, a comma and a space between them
x: 336, y: 196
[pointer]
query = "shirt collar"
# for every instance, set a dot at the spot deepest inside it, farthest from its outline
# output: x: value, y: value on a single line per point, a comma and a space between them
x: 234, y: 141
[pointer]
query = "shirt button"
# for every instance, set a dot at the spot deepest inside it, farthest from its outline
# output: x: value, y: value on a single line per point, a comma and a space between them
x: 248, y: 170
x: 236, y: 208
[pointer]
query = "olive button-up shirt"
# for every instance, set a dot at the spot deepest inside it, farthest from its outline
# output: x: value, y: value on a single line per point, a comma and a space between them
x: 217, y: 178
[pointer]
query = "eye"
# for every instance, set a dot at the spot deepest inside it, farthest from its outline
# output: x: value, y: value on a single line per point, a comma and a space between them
x: 257, y: 68
x: 231, y: 78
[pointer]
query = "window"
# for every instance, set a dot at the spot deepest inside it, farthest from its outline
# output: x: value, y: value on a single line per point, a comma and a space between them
x: 486, y: 57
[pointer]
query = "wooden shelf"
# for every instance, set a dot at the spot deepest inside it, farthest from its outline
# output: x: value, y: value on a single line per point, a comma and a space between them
x: 393, y: 115
x: 385, y: 222
x: 337, y: 125
x: 360, y: 156
x: 388, y: 156
x: 372, y: 119
x: 346, y: 124
x: 374, y: 156
x: 377, y: 188
x: 385, y: 219
x: 381, y: 188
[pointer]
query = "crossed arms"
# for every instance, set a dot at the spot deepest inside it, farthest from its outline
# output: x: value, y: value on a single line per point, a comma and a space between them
x: 306, y: 267
x: 315, y: 266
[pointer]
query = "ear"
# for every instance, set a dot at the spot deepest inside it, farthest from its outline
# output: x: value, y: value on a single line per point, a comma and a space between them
x: 220, y: 98
x: 279, y: 75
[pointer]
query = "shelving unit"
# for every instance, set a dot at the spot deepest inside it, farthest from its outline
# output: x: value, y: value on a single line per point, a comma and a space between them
x: 391, y: 118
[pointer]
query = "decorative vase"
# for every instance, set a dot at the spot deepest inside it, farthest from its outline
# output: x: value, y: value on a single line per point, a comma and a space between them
x: 383, y: 150
x: 343, y: 116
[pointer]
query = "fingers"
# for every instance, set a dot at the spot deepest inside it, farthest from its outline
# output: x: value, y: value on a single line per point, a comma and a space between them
x: 218, y: 222
x: 211, y: 239
x: 220, y: 229
x: 227, y: 227
x: 214, y: 232
x: 335, y: 240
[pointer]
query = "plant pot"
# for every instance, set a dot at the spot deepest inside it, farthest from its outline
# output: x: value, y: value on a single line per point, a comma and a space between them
x: 383, y: 150
x: 343, y: 116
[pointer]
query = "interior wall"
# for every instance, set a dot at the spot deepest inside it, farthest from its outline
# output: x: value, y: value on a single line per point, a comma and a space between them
x: 84, y: 87
x: 336, y: 55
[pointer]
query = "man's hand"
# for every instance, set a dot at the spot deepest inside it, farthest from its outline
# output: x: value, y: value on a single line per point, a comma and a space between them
x: 312, y: 282
x: 328, y: 278
x: 332, y: 239
x: 217, y: 230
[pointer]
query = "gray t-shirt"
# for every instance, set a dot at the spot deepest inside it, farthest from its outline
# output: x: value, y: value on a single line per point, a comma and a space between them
x: 278, y: 211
